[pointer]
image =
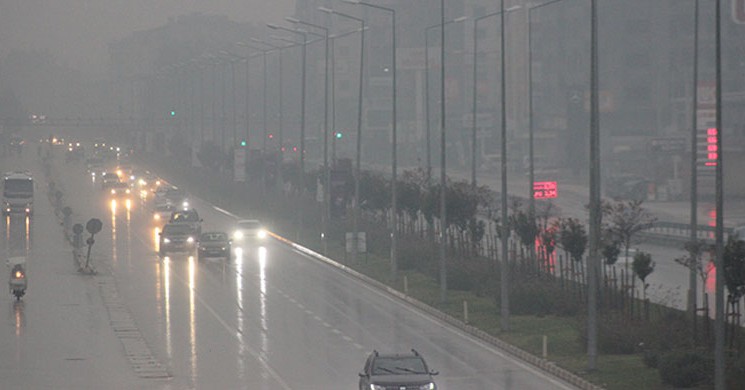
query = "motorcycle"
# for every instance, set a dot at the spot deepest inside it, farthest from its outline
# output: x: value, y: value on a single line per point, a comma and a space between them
x: 18, y: 281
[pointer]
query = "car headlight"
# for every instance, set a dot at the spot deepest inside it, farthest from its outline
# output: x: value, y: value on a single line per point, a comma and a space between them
x: 190, y: 240
x: 166, y: 241
x: 156, y: 216
x: 261, y: 233
x: 127, y: 191
x: 428, y: 386
x: 185, y: 205
x: 113, y: 192
x: 238, y: 235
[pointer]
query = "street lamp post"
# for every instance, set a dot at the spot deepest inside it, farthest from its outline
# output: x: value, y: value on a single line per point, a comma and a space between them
x: 326, y: 173
x: 280, y: 127
x: 692, y: 271
x: 394, y: 138
x: 355, y: 217
x: 248, y: 89
x: 474, y: 90
x: 443, y: 176
x: 301, y: 172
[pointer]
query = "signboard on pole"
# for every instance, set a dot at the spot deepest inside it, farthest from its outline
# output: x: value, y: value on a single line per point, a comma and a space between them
x: 361, y: 242
x: 545, y: 190
x: 239, y: 165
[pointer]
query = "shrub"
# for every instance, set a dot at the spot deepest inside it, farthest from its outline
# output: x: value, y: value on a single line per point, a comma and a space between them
x: 685, y: 369
x: 736, y: 372
x: 535, y: 296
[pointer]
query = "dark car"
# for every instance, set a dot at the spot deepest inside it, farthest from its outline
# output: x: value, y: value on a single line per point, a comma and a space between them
x: 396, y: 371
x: 119, y: 190
x: 214, y: 244
x: 177, y: 237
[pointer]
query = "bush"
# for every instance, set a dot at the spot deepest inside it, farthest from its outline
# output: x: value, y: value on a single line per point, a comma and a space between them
x: 536, y: 296
x: 685, y: 369
x: 619, y: 334
x: 420, y: 255
x: 736, y: 372
x: 651, y: 358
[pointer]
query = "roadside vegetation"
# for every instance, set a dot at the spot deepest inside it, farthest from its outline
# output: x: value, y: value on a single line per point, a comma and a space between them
x: 641, y: 344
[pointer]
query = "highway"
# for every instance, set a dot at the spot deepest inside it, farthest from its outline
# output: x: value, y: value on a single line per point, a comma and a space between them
x: 268, y: 318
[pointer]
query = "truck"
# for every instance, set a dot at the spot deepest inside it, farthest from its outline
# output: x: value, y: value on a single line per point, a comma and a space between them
x: 18, y: 193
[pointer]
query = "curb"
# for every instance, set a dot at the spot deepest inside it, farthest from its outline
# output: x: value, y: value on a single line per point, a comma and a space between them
x: 543, y: 364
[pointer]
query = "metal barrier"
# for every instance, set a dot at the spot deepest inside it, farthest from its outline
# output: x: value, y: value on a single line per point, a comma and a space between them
x: 681, y: 232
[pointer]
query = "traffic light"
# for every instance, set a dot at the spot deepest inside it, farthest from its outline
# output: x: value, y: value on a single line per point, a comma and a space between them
x: 243, y: 142
x: 338, y: 135
x: 173, y: 113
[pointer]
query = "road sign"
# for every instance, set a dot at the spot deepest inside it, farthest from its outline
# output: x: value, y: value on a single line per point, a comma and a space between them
x: 93, y: 226
x: 361, y: 242
x: 738, y: 11
x: 545, y: 190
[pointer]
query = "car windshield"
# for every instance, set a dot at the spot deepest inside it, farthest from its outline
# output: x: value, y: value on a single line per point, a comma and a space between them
x: 176, y: 229
x: 249, y: 225
x: 214, y: 237
x: 398, y: 365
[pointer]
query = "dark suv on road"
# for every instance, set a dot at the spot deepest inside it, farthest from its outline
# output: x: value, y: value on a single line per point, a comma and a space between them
x: 407, y: 371
x: 177, y: 237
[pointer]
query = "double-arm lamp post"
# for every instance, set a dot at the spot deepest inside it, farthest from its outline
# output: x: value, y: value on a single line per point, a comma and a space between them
x: 356, y: 211
x: 394, y: 137
x: 326, y: 171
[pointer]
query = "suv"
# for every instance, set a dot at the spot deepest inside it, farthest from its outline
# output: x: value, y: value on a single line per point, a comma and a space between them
x: 177, y: 237
x: 406, y: 371
x: 189, y: 217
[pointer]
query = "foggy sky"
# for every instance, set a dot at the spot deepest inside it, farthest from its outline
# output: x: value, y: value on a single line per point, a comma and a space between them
x: 77, y: 32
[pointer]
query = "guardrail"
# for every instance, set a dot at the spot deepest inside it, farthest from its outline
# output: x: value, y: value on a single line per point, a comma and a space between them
x: 674, y: 232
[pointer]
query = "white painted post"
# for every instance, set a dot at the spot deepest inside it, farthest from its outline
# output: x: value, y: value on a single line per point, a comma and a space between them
x: 545, y: 346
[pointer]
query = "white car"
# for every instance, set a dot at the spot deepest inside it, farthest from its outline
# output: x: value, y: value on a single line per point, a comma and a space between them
x: 248, y: 229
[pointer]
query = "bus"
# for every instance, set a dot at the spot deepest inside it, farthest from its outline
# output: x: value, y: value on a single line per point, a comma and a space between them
x: 18, y: 193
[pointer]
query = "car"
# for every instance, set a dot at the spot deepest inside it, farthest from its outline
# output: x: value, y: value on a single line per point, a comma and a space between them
x: 119, y: 190
x: 109, y: 178
x: 177, y: 237
x: 190, y: 217
x: 214, y: 244
x: 396, y: 371
x: 160, y: 194
x: 247, y: 229
x: 177, y: 197
x: 162, y: 213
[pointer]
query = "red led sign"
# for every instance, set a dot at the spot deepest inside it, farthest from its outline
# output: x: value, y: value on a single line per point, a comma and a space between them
x: 544, y: 190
